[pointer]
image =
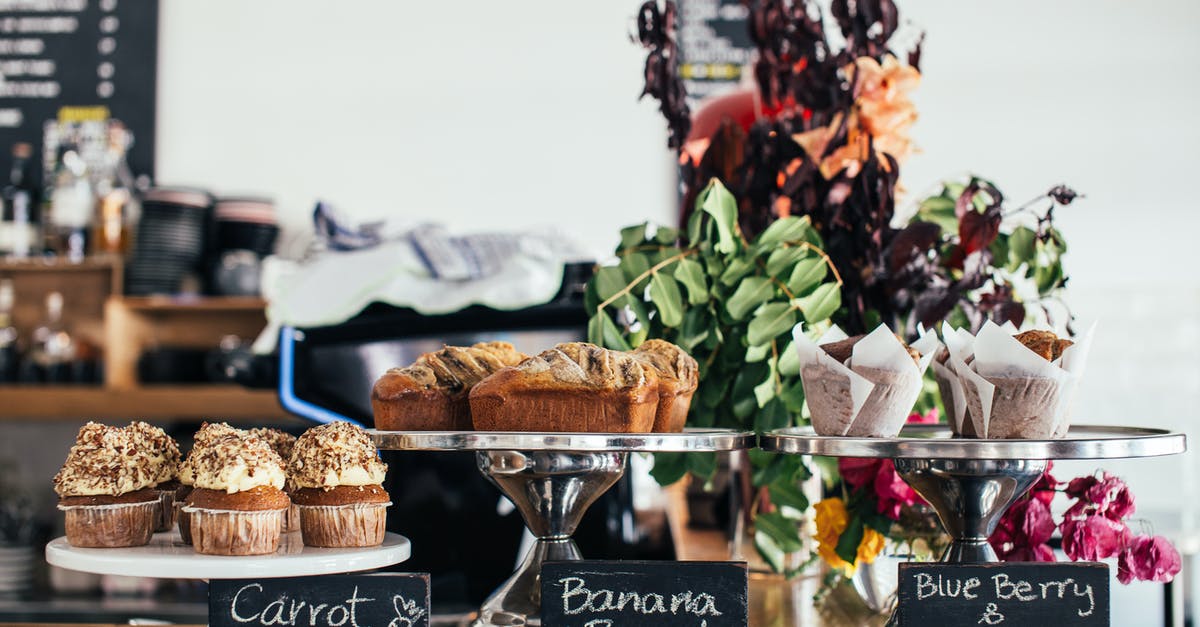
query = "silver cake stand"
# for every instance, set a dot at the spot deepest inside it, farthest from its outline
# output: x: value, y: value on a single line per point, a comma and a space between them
x: 969, y: 482
x: 552, y: 478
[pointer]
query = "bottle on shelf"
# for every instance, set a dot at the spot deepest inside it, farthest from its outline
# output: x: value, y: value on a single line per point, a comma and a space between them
x: 53, y: 348
x: 72, y: 206
x: 9, y: 346
x: 19, y: 235
x: 116, y: 206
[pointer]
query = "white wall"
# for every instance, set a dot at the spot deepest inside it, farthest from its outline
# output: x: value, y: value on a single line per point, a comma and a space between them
x: 479, y: 114
x: 503, y: 115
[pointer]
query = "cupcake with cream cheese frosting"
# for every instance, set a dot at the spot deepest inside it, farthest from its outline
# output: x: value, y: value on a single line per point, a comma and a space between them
x: 208, y: 433
x: 282, y: 443
x: 163, y: 454
x: 237, y: 499
x: 337, y: 478
x: 106, y: 489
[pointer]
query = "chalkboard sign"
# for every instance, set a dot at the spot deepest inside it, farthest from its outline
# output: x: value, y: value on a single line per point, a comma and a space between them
x: 632, y: 594
x: 1063, y: 595
x: 98, y: 55
x: 714, y: 45
x: 379, y: 600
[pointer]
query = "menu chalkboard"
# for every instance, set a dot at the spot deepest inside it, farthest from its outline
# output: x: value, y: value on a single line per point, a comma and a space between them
x: 1060, y: 594
x: 714, y: 45
x: 94, y: 54
x: 378, y: 600
x: 635, y: 593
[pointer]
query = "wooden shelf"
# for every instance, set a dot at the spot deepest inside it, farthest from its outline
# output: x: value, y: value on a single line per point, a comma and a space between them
x: 194, y: 304
x: 229, y: 403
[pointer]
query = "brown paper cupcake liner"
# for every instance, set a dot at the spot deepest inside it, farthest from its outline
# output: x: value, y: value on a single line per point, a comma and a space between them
x: 234, y: 532
x: 1022, y: 407
x: 291, y: 519
x: 185, y: 522
x: 341, y: 526
x: 111, y: 526
x: 166, y: 510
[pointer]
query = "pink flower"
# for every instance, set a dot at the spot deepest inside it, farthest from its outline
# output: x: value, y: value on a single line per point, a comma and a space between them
x: 1093, y: 538
x: 857, y: 472
x: 930, y: 417
x: 1107, y: 495
x: 1148, y: 559
x: 1023, y: 533
x: 891, y: 492
x: 1046, y: 487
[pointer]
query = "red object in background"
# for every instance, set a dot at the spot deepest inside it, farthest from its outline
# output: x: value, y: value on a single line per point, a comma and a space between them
x: 743, y: 105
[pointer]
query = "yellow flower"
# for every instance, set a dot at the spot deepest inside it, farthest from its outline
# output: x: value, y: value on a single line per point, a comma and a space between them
x: 832, y: 520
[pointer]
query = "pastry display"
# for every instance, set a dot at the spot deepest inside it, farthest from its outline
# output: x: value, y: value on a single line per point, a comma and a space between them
x: 1017, y: 386
x: 106, y: 489
x: 163, y: 454
x: 282, y: 443
x: 862, y: 386
x: 337, y: 478
x: 572, y: 387
x: 432, y: 393
x: 678, y: 376
x: 237, y: 501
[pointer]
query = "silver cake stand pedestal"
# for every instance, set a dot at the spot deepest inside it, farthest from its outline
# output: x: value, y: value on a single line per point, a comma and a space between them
x: 969, y: 482
x: 552, y: 478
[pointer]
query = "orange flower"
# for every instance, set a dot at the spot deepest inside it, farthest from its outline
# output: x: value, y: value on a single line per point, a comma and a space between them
x: 884, y: 108
x: 832, y: 520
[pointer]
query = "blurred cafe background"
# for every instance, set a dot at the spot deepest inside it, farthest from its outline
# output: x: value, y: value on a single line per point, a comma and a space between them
x: 181, y: 172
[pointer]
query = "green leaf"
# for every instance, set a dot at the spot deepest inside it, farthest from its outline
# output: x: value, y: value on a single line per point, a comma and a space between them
x: 847, y: 546
x: 789, y: 361
x: 664, y: 293
x: 608, y: 281
x: 789, y: 229
x: 781, y: 260
x: 786, y: 492
x: 703, y: 465
x: 634, y: 265
x: 793, y: 397
x: 769, y: 549
x: 717, y: 202
x: 781, y: 529
x: 690, y: 273
x: 669, y: 467
x: 772, y: 416
x: 807, y: 273
x: 1021, y: 247
x: 666, y: 235
x: 603, y: 331
x: 742, y: 393
x: 633, y: 235
x: 694, y: 328
x: 757, y: 353
x: 940, y: 211
x: 772, y: 320
x: 695, y: 228
x: 751, y: 293
x: 763, y: 393
x: 1048, y: 277
x: 822, y: 303
x: 736, y: 269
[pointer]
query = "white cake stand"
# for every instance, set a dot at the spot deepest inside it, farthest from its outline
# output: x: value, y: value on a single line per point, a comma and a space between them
x: 167, y: 557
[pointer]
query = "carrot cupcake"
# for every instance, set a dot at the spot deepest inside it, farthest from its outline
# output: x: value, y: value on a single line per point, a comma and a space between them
x: 163, y: 454
x: 208, y: 433
x: 282, y: 443
x: 237, y: 500
x: 106, y: 489
x: 338, y: 486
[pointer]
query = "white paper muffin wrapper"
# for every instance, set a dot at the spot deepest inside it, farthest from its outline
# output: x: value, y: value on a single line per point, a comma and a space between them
x: 872, y: 394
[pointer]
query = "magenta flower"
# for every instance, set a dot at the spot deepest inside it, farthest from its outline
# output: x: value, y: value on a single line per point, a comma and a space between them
x: 891, y: 492
x: 1148, y: 559
x: 1093, y: 538
x: 1107, y: 495
x: 857, y: 472
x: 930, y: 417
x: 1024, y: 531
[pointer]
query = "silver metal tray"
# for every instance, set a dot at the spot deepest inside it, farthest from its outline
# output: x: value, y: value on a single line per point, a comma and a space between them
x: 938, y: 442
x: 689, y: 440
